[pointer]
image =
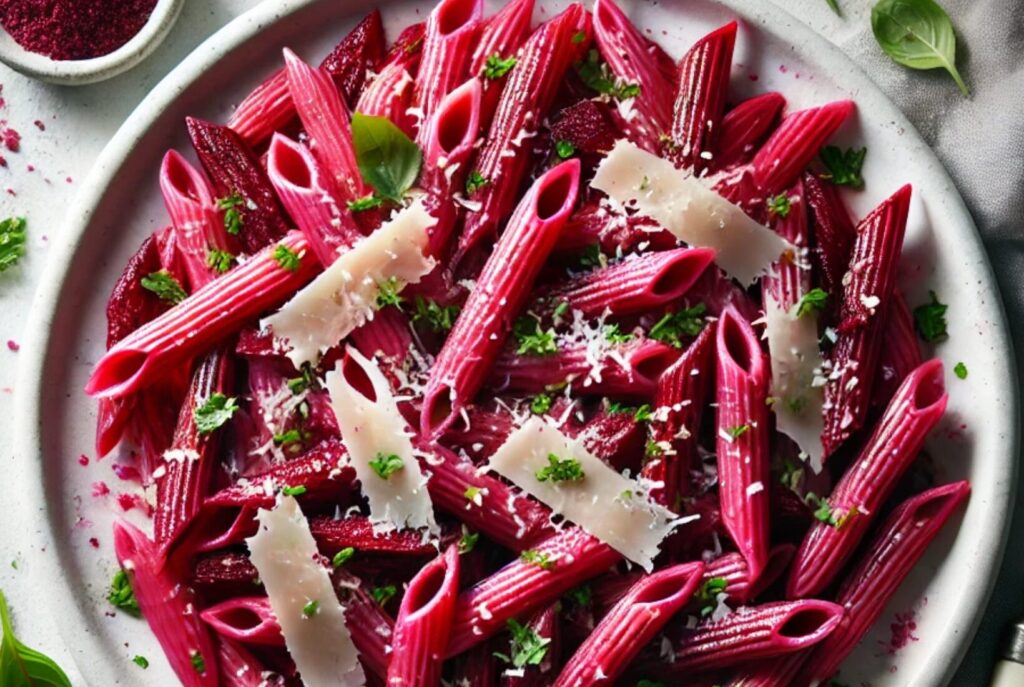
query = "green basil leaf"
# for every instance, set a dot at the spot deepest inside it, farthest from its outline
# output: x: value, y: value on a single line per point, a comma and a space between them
x: 917, y: 34
x: 21, y: 666
x: 388, y: 159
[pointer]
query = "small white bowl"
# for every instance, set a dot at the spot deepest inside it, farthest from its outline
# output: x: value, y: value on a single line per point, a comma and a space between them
x: 81, y: 72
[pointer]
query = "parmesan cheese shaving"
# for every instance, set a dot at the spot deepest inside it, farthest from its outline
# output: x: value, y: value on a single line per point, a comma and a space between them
x: 344, y: 296
x: 370, y: 429
x: 796, y: 362
x: 303, y: 600
x: 604, y: 503
x: 694, y: 213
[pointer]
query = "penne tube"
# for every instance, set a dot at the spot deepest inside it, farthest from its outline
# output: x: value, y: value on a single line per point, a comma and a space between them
x: 190, y: 204
x: 246, y: 619
x: 370, y: 625
x: 901, y: 354
x: 744, y: 128
x: 388, y: 95
x: 833, y: 234
x: 238, y: 667
x: 500, y: 37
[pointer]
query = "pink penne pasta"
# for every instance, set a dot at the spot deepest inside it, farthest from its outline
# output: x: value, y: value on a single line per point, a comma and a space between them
x: 196, y: 324
x: 502, y: 163
x: 593, y: 225
x: 618, y: 438
x: 753, y: 632
x: 184, y: 480
x: 304, y: 191
x: 630, y: 625
x: 500, y: 37
x: 424, y: 623
x: 790, y: 278
x: 546, y: 624
x: 700, y: 99
x: 744, y: 127
x: 326, y: 120
x: 356, y: 531
x: 370, y: 625
x: 634, y: 59
x: 776, y: 672
x: 795, y: 143
x: 266, y: 109
x: 833, y: 233
x: 167, y: 606
x: 239, y: 668
x: 477, y: 667
x: 744, y: 462
x: 633, y: 285
x: 680, y: 394
x: 901, y: 354
x: 190, y: 204
x: 630, y: 369
x: 740, y: 585
x: 521, y: 587
x: 501, y: 291
x: 918, y: 405
x: 854, y: 358
x: 246, y: 619
x: 452, y: 29
x: 895, y: 549
x: 388, y: 95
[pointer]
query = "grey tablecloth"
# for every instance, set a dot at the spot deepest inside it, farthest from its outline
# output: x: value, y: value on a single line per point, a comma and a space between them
x: 981, y: 142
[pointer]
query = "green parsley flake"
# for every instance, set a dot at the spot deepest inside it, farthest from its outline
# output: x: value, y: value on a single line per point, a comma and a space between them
x: 291, y: 440
x: 165, y: 286
x: 560, y: 310
x: 366, y: 203
x: 141, y: 661
x: 232, y: 215
x: 496, y: 67
x: 438, y: 318
x: 121, y: 595
x: 707, y: 594
x: 960, y: 370
x: 387, y: 293
x: 561, y: 470
x: 220, y: 261
x: 527, y: 648
x: 582, y: 596
x: 535, y: 557
x: 198, y: 663
x: 473, y: 495
x: 823, y: 511
x: 307, y: 380
x: 386, y: 464
x: 540, y: 404
x: 737, y: 431
x: 593, y: 257
x: 653, y: 449
x: 643, y: 413
x: 579, y: 37
x: 468, y: 540
x: 342, y: 557
x: 844, y: 165
x: 615, y: 336
x: 595, y: 74
x: 311, y: 609
x: 286, y: 258
x: 930, y: 319
x: 294, y: 491
x: 779, y: 205
x: 675, y: 327
x: 12, y: 241
x: 812, y: 302
x: 475, y: 182
x: 384, y: 594
x: 565, y: 149
x: 532, y: 339
x: 215, y: 412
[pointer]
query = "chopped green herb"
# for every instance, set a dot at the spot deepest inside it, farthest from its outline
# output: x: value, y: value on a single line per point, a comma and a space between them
x: 438, y: 318
x: 930, y: 319
x: 12, y: 241
x: 532, y: 340
x: 813, y: 302
x: 779, y: 205
x: 535, y: 557
x: 310, y: 609
x: 387, y: 293
x: 613, y: 335
x: 141, y: 661
x: 527, y: 648
x: 215, y: 412
x: 388, y: 159
x: 737, y: 431
x: 286, y: 258
x: 561, y: 470
x: 675, y: 327
x: 560, y: 310
x: 220, y: 261
x: 496, y: 67
x: 198, y: 663
x: 292, y: 439
x: 595, y: 74
x: 308, y: 380
x: 232, y: 215
x: 640, y: 414
x: 579, y: 37
x: 365, y: 203
x: 643, y: 413
x: 384, y: 594
x: 473, y: 495
x: 475, y: 182
x: 593, y: 257
x: 386, y: 464
x: 294, y: 491
x: 165, y: 286
x: 21, y: 666
x: 468, y: 540
x: 342, y: 557
x: 653, y: 449
x: 824, y: 512
x: 645, y: 183
x: 121, y: 595
x: 844, y: 166
x: 707, y: 594
x: 960, y: 370
x: 792, y: 474
x: 565, y: 149
x: 540, y: 404
x: 582, y: 595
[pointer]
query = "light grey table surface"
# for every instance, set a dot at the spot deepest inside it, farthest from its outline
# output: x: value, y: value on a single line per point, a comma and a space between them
x: 981, y: 141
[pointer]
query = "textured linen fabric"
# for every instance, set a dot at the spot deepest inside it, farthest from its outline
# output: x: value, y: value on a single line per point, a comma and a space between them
x: 980, y: 140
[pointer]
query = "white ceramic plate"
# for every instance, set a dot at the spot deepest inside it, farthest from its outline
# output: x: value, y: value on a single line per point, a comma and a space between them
x: 120, y: 205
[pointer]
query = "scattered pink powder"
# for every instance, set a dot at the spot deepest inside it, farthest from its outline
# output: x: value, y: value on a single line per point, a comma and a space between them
x: 902, y: 628
x: 40, y: 125
x: 100, y: 489
x: 783, y: 68
x: 754, y: 77
x: 130, y: 501
x: 68, y: 180
x: 30, y: 168
x: 10, y: 191
x: 9, y: 137
x: 3, y: 161
x: 13, y: 345
x: 83, y: 460
x: 94, y: 542
x: 126, y: 472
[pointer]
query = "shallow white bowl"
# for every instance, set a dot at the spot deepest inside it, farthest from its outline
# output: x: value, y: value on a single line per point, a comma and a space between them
x: 119, y: 205
x: 81, y: 72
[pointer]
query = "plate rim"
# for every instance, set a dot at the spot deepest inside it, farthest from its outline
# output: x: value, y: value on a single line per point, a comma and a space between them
x: 764, y: 15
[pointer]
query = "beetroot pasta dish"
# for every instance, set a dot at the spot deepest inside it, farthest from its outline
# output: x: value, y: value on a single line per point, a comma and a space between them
x: 518, y: 353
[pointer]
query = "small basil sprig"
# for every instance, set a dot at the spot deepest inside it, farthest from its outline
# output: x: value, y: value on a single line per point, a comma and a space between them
x: 388, y: 159
x: 21, y: 666
x: 917, y: 34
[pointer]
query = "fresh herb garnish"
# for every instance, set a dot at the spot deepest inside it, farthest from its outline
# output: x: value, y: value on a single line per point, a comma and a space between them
x: 342, y: 557
x: 527, y: 648
x: 198, y: 663
x: 779, y: 205
x: 383, y: 594
x: 165, y: 286
x: 307, y: 380
x: 496, y: 67
x: 292, y: 438
x: 215, y: 412
x: 386, y: 464
x: 535, y: 557
x: 532, y: 339
x: 560, y: 310
x: 596, y: 75
x: 812, y: 302
x: 468, y: 540
x: 640, y: 414
x: 613, y: 335
x: 475, y: 181
x: 565, y: 149
x: 438, y: 318
x: 297, y: 490
x: 387, y: 293
x: 561, y: 470
x: 12, y: 241
x: 388, y: 160
x: 21, y: 666
x: 653, y: 449
x: 960, y: 370
x: 917, y: 34
x: 844, y: 165
x: 366, y: 203
x: 823, y: 511
x: 930, y: 320
x: 674, y: 327
x: 579, y: 37
x: 220, y: 261
x: 286, y: 258
x: 473, y: 495
x: 593, y: 257
x: 708, y: 592
x: 310, y: 609
x: 121, y: 595
x: 737, y: 431
x: 141, y: 661
x: 582, y: 595
x: 540, y: 404
x: 232, y: 215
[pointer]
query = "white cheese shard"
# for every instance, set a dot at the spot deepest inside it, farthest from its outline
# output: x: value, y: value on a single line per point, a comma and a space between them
x: 344, y: 296
x: 607, y: 505
x: 796, y: 361
x: 693, y: 212
x: 285, y: 554
x: 372, y: 428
